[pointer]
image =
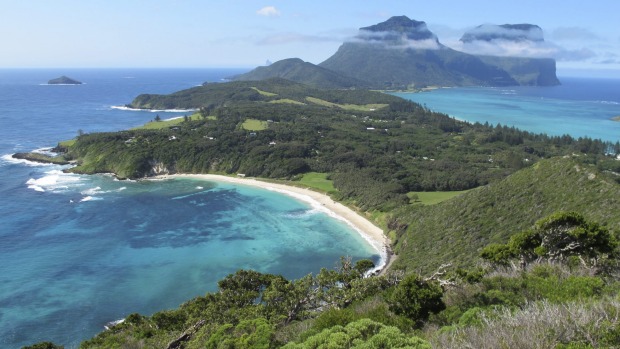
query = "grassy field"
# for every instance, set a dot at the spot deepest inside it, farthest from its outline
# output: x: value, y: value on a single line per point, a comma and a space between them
x: 318, y: 181
x: 254, y: 125
x: 432, y: 197
x: 264, y: 93
x: 67, y: 143
x: 286, y: 101
x: 352, y: 107
x: 157, y: 125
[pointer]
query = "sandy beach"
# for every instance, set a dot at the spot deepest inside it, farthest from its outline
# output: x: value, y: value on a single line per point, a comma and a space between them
x: 370, y: 232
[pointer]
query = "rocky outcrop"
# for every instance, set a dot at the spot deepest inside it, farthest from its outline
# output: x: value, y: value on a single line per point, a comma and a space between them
x: 64, y: 80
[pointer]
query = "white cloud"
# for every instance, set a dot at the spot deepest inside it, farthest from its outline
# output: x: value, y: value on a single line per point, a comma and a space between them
x: 508, y: 48
x: 395, y: 40
x: 268, y: 11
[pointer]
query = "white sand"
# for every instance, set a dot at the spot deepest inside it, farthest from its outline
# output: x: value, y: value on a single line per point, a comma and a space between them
x: 370, y: 232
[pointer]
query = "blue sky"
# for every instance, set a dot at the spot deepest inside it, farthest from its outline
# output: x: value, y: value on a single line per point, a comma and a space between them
x: 583, y: 36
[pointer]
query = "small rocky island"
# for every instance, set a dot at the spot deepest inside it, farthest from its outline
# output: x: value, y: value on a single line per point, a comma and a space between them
x: 64, y: 80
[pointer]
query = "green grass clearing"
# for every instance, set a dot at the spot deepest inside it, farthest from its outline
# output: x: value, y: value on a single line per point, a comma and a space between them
x: 432, y: 197
x: 254, y: 125
x: 158, y: 125
x: 352, y: 107
x: 286, y: 101
x: 264, y: 93
x: 318, y: 181
x: 67, y: 144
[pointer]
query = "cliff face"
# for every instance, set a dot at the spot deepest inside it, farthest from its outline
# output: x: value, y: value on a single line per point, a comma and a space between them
x: 530, y: 71
x: 527, y: 71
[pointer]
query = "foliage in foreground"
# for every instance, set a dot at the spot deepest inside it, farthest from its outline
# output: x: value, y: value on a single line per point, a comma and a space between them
x: 582, y: 324
x: 361, y: 334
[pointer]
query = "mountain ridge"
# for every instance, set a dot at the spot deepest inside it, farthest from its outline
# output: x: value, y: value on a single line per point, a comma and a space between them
x: 401, y: 53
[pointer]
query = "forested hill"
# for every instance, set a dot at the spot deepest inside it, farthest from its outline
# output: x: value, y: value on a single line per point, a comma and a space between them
x: 455, y: 231
x: 275, y: 90
x: 375, y: 147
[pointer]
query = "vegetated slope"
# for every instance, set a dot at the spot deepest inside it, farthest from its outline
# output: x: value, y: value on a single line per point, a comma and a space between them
x: 376, y: 147
x: 214, y: 95
x: 397, y: 68
x: 295, y: 69
x: 454, y: 231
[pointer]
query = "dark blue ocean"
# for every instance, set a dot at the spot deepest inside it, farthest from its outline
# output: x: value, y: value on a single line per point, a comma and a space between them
x: 77, y: 252
x: 579, y: 107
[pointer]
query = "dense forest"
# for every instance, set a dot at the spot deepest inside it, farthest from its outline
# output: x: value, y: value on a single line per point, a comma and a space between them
x: 535, y: 235
x: 376, y: 147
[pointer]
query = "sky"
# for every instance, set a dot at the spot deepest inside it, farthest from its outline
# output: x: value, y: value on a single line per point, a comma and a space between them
x: 583, y: 36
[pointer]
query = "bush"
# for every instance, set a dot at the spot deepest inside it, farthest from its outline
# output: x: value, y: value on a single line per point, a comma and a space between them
x: 416, y: 298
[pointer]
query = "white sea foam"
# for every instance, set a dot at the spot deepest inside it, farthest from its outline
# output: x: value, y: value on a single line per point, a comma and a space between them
x: 90, y: 198
x: 8, y: 158
x: 54, y: 180
x: 113, y: 323
x: 92, y: 191
x: 122, y: 107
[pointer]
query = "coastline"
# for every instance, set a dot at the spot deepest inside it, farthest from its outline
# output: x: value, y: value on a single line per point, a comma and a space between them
x: 370, y: 232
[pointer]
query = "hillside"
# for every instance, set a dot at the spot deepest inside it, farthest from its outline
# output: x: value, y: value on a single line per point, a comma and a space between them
x: 375, y: 147
x: 455, y: 230
x: 294, y: 69
x: 393, y: 68
x: 214, y: 95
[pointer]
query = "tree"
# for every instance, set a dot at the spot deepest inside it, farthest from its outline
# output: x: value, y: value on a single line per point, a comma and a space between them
x: 290, y: 299
x: 157, y: 118
x: 556, y: 238
x: 416, y: 298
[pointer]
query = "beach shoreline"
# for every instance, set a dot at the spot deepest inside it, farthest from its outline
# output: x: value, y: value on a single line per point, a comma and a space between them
x: 369, y: 231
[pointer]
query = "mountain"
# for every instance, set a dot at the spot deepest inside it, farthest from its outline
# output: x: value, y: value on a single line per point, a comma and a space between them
x: 64, y: 80
x: 510, y: 32
x: 527, y: 71
x: 401, y: 52
x: 295, y: 69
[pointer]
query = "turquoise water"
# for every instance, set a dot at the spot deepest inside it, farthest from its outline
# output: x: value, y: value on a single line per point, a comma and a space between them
x: 579, y: 107
x: 79, y: 251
